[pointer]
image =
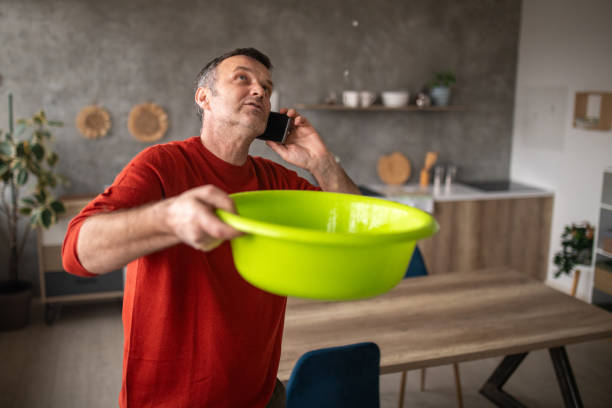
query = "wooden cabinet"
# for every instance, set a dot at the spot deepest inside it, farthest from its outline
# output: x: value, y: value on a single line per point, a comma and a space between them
x: 58, y: 286
x: 477, y: 234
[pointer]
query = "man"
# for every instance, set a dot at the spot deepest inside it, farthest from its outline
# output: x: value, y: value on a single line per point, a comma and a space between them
x: 197, y: 334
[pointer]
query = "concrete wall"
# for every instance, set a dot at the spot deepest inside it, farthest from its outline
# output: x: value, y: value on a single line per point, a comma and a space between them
x: 64, y: 55
x: 564, y: 48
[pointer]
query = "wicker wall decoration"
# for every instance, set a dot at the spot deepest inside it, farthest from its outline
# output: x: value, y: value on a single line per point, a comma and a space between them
x: 93, y: 122
x: 148, y: 122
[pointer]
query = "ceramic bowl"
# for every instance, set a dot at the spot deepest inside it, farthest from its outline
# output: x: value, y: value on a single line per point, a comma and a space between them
x: 321, y: 245
x: 395, y: 99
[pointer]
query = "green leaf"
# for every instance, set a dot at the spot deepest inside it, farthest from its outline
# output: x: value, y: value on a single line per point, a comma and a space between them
x: 34, y: 168
x: 41, y: 196
x: 22, y: 177
x: 35, y: 218
x: 6, y: 148
x: 22, y: 149
x: 39, y: 151
x: 4, y: 168
x: 52, y: 159
x: 46, y: 217
x: 58, y: 207
x: 25, y: 211
x: 55, y: 123
x: 29, y: 201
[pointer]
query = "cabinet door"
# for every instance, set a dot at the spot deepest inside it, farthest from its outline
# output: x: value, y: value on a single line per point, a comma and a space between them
x: 490, y: 233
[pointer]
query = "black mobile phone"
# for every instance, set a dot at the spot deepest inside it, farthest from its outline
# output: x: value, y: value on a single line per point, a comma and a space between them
x: 277, y: 129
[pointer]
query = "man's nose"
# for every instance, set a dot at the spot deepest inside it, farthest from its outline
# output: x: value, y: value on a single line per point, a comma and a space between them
x: 257, y: 90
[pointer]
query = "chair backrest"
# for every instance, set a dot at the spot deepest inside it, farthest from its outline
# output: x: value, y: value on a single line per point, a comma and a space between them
x: 417, y: 265
x: 336, y: 377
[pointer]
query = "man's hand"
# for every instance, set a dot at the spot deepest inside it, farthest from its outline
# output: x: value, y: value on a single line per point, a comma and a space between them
x: 304, y: 148
x: 192, y: 219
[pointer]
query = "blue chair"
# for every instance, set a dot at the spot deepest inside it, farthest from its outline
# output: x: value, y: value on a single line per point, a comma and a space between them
x: 336, y: 377
x: 415, y: 269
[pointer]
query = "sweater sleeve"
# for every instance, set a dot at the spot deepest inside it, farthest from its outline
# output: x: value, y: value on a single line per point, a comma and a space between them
x: 137, y: 184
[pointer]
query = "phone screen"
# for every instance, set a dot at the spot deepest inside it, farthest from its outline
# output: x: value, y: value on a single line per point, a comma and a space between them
x: 277, y: 128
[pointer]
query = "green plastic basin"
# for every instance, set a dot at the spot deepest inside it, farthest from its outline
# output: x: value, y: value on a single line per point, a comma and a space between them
x: 321, y: 245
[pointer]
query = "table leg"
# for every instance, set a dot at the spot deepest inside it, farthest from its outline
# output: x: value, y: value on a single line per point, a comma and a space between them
x: 565, y: 377
x: 492, y: 389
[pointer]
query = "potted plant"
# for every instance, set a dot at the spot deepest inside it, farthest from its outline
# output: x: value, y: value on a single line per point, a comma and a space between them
x: 440, y: 87
x: 26, y: 162
x: 576, y: 249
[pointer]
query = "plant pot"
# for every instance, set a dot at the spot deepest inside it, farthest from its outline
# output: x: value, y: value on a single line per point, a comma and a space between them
x: 440, y: 95
x: 15, y: 299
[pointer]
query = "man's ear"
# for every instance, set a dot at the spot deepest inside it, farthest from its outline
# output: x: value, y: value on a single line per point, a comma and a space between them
x: 202, y: 98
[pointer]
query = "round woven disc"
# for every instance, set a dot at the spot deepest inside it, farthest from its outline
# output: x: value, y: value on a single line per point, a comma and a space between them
x: 93, y: 122
x: 394, y: 169
x: 148, y: 122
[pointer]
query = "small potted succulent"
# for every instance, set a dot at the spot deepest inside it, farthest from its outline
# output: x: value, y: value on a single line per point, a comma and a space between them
x: 440, y: 87
x: 576, y: 249
x: 26, y: 163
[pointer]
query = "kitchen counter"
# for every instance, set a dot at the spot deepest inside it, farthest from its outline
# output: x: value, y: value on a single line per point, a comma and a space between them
x: 479, y: 228
x: 423, y: 198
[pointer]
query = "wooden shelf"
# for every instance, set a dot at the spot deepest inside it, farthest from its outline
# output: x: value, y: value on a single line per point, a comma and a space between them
x: 607, y: 254
x: 379, y: 108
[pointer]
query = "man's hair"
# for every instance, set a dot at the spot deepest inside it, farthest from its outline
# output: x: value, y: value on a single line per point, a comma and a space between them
x: 207, y: 76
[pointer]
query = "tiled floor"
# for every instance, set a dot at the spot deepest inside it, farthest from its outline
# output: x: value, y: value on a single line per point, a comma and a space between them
x: 77, y: 363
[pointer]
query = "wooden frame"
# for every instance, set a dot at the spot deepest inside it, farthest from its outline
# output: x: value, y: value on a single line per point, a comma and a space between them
x: 605, y: 111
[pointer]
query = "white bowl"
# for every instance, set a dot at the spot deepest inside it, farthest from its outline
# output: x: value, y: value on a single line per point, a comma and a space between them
x: 395, y: 99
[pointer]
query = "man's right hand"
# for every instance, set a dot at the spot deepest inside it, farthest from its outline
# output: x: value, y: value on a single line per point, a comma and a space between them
x: 192, y: 219
x: 108, y: 241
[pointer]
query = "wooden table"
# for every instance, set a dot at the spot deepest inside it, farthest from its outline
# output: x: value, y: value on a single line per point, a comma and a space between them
x: 451, y: 318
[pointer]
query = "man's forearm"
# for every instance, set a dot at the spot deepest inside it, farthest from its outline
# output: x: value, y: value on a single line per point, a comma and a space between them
x: 109, y: 241
x: 332, y: 177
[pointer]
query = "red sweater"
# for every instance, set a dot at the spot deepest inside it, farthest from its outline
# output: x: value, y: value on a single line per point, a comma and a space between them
x: 196, y: 334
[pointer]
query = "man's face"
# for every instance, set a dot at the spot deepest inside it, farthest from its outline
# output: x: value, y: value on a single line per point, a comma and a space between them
x: 242, y: 94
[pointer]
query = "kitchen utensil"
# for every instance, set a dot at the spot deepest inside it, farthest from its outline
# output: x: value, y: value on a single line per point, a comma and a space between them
x: 394, y: 169
x: 430, y: 160
x: 395, y: 99
x: 323, y: 245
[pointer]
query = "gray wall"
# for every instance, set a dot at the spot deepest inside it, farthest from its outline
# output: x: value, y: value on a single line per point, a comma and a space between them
x: 63, y: 55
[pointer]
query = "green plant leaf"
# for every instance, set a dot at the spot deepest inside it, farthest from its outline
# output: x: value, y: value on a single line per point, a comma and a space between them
x: 52, y: 159
x: 39, y: 151
x: 55, y: 123
x: 46, y: 217
x: 23, y: 149
x: 29, y: 201
x: 22, y: 177
x: 58, y: 207
x: 6, y: 148
x: 25, y: 211
x: 4, y: 169
x: 41, y: 196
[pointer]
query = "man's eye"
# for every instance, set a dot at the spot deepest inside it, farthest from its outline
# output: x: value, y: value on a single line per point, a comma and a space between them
x: 242, y: 77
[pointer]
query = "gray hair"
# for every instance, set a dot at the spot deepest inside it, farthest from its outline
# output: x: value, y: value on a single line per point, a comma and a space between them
x: 207, y: 77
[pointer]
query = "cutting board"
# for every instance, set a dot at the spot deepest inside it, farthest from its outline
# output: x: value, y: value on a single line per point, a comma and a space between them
x: 394, y: 169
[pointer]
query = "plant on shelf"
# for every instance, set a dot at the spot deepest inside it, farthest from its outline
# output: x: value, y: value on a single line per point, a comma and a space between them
x: 26, y: 163
x: 576, y: 249
x: 440, y: 87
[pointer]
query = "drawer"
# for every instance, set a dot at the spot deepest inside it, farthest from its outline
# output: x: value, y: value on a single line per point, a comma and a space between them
x: 61, y: 283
